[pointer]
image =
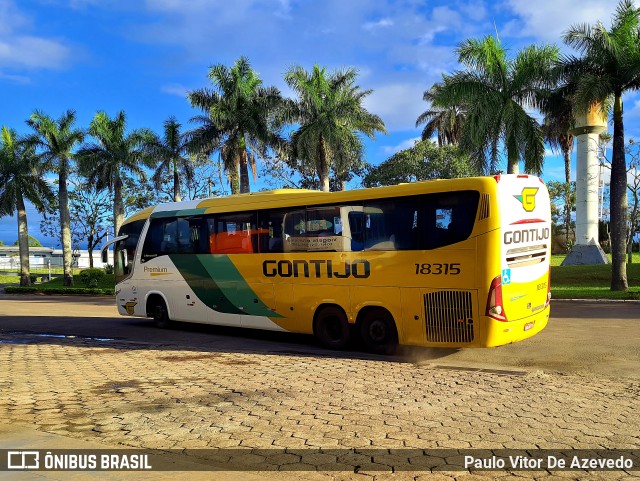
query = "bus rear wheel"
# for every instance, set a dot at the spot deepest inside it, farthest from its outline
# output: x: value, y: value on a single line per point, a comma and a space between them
x: 378, y: 332
x: 161, y: 314
x: 331, y: 328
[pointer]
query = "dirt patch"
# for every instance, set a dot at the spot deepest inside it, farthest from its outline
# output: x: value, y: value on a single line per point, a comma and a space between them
x: 218, y: 358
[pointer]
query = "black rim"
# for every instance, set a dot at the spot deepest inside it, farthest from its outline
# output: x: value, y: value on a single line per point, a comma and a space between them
x: 378, y: 331
x: 159, y: 312
x: 333, y: 328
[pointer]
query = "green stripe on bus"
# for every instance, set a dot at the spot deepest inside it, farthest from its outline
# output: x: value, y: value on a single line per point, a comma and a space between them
x: 219, y: 285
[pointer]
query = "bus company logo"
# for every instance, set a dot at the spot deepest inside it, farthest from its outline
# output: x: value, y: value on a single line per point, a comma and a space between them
x: 316, y: 269
x: 528, y: 198
x: 156, y: 271
x: 129, y: 307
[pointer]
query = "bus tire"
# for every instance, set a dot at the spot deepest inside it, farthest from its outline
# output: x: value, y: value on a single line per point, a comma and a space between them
x: 161, y: 314
x: 378, y: 332
x: 331, y: 327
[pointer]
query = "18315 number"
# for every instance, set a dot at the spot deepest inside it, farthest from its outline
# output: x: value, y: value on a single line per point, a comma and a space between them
x: 438, y: 269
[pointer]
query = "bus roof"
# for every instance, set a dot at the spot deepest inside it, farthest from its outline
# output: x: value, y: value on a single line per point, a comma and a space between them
x: 279, y: 198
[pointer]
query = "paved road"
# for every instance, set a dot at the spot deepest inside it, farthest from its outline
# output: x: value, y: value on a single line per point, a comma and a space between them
x: 590, y: 338
x: 75, y: 371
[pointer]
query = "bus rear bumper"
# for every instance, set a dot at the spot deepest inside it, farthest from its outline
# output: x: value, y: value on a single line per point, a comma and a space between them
x: 499, y: 333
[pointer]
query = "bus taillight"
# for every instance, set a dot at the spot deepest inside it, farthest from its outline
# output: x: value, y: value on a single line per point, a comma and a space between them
x: 548, y: 289
x: 495, y: 308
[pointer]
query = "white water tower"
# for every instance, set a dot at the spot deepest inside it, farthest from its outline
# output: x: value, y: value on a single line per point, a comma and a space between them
x: 587, y: 131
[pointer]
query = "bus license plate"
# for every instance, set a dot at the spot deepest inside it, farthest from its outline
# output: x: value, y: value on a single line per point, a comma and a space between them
x: 529, y: 325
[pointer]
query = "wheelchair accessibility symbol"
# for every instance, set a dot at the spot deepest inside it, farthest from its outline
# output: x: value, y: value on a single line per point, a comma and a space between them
x: 506, y: 276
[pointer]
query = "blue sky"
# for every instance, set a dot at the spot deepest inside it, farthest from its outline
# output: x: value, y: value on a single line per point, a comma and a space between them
x: 143, y: 56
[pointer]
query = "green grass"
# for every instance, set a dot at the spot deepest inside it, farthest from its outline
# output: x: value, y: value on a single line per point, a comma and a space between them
x: 591, y: 282
x: 556, y: 259
x: 9, y: 279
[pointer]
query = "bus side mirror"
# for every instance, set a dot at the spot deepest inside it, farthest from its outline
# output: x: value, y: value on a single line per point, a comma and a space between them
x: 105, y: 248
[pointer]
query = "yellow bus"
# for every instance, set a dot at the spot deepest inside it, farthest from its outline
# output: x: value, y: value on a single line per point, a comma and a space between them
x: 450, y: 263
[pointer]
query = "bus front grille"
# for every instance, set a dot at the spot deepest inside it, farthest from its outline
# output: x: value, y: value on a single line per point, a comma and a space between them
x: 449, y: 316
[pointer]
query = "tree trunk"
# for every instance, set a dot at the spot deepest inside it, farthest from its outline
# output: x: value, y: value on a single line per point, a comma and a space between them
x: 234, y: 180
x: 567, y: 194
x: 618, y: 202
x: 118, y: 205
x: 244, y: 172
x: 23, y: 242
x: 176, y: 183
x: 65, y: 224
x: 322, y: 165
x: 513, y: 166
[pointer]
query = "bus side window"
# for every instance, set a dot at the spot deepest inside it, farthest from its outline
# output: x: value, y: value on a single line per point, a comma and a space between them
x: 392, y: 224
x: 151, y: 248
x: 125, y: 251
x: 449, y: 217
x: 234, y: 234
x: 270, y: 230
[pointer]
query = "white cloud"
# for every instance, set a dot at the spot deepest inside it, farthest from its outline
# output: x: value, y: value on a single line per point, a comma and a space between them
x: 32, y: 52
x: 548, y: 19
x: 474, y: 10
x: 18, y: 79
x: 10, y: 18
x: 405, y: 144
x: 382, y: 23
x: 399, y: 105
x: 175, y: 89
x: 20, y: 50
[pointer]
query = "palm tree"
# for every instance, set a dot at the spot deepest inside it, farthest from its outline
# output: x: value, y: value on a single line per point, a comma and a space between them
x: 447, y: 122
x: 21, y: 177
x: 237, y: 120
x: 112, y: 154
x: 329, y: 114
x: 496, y: 92
x: 557, y: 126
x: 170, y: 152
x: 609, y: 67
x: 56, y: 139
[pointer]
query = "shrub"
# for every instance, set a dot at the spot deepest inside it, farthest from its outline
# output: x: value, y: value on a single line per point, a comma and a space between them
x: 91, y: 277
x: 108, y: 269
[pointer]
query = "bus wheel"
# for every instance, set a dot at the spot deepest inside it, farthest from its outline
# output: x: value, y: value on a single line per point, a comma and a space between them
x: 378, y: 332
x: 331, y: 328
x: 160, y: 314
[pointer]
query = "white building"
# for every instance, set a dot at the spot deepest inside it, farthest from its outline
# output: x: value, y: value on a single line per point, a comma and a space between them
x: 44, y: 257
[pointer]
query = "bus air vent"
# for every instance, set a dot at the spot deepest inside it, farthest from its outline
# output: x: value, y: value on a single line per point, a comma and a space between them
x: 449, y: 316
x: 526, y: 256
x: 483, y: 207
